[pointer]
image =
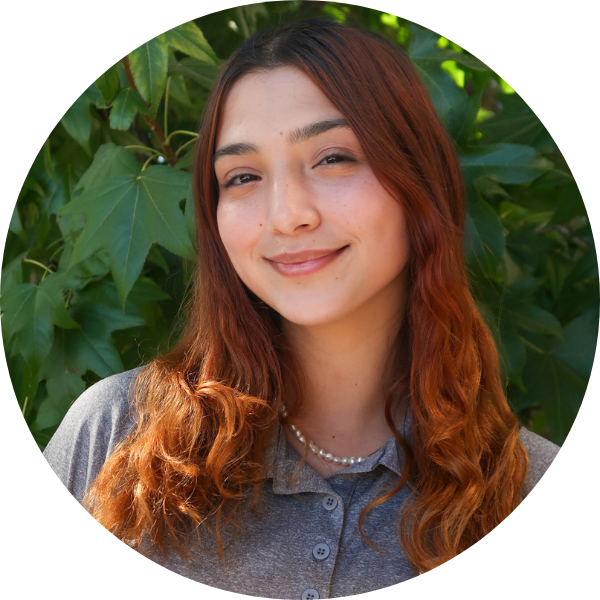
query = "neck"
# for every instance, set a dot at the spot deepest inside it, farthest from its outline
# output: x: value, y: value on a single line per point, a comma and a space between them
x: 343, y: 364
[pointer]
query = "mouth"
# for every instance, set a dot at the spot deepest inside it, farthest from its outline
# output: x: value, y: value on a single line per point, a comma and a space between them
x: 307, y: 262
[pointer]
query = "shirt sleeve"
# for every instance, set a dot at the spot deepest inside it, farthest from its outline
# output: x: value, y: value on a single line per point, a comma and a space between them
x: 92, y: 428
x: 541, y: 453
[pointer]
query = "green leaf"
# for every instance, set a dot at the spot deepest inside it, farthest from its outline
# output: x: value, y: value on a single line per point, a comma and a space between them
x: 504, y: 163
x: 533, y: 319
x: 126, y: 103
x: 24, y: 382
x: 127, y: 215
x: 78, y: 121
x: 578, y: 346
x: 149, y: 67
x: 16, y: 226
x: 30, y: 312
x: 156, y: 258
x: 189, y: 39
x: 12, y: 273
x: 557, y: 379
x: 91, y: 347
x: 104, y: 292
x: 108, y: 84
x: 199, y: 71
x: 110, y: 161
x: 554, y: 386
x: 569, y: 205
x: 484, y: 232
x: 97, y: 265
x: 62, y: 388
x: 88, y: 348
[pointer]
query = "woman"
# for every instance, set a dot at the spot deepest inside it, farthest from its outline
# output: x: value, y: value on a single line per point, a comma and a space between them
x: 333, y: 420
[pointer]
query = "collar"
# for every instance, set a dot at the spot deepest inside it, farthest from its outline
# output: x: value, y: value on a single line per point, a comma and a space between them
x: 289, y: 478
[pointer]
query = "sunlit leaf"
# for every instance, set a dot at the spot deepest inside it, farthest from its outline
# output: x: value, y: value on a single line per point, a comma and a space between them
x: 189, y: 39
x: 149, y: 68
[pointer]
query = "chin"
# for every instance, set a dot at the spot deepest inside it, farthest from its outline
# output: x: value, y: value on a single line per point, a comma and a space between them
x: 310, y: 316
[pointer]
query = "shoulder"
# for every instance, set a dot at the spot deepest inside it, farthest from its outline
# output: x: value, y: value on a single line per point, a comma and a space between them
x: 94, y: 425
x: 541, y: 453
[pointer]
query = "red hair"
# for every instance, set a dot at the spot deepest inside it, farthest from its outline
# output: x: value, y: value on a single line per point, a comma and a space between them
x: 208, y: 408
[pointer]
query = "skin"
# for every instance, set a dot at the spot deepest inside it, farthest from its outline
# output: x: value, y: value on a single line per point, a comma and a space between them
x: 288, y: 187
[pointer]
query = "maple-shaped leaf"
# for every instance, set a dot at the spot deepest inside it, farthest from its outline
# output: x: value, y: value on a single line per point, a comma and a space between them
x: 30, y: 312
x: 126, y: 215
x: 109, y: 162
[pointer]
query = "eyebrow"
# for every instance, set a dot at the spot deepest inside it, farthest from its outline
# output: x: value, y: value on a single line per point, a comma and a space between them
x: 237, y: 149
x: 302, y: 134
x: 313, y: 129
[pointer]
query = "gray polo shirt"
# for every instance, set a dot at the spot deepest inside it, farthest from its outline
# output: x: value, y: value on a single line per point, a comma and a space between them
x: 301, y: 540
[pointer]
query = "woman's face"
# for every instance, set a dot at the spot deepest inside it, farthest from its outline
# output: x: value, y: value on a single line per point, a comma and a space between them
x: 307, y: 225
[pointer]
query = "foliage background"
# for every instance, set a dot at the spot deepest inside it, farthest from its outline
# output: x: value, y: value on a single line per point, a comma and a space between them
x: 100, y: 248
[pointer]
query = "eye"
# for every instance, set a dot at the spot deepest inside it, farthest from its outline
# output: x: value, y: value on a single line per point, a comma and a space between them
x: 336, y: 157
x: 238, y: 180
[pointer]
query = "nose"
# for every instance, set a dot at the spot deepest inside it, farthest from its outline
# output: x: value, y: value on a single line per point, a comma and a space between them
x: 291, y: 205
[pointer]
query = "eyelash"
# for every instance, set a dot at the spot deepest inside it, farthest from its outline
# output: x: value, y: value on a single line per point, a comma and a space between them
x: 335, y: 155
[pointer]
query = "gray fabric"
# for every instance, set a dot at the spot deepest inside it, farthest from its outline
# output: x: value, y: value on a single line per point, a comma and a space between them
x: 292, y: 527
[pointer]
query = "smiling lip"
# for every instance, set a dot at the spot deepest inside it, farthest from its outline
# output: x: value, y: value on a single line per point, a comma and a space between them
x: 297, y: 264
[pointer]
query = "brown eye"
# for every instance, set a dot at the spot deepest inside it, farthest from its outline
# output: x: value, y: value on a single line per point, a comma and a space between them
x: 238, y: 180
x: 332, y: 159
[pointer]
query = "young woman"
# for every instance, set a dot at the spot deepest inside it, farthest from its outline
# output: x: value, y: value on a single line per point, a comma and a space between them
x: 333, y: 419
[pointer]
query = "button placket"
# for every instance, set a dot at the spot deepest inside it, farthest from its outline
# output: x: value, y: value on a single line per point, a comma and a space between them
x: 323, y: 551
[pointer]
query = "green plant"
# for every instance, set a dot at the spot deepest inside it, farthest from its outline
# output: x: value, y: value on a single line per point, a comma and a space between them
x: 100, y: 248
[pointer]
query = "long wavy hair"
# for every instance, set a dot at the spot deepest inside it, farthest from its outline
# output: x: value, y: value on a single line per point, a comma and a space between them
x: 207, y: 409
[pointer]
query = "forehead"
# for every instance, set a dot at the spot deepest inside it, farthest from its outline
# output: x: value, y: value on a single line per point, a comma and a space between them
x: 272, y: 102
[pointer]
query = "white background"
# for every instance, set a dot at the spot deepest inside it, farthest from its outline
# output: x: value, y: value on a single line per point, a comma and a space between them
x: 52, y: 51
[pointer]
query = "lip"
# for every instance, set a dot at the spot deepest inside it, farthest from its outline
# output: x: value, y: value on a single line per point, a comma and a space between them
x: 307, y: 262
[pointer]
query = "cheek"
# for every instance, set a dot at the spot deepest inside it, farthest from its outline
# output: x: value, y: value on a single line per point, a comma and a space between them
x: 381, y: 224
x: 238, y: 233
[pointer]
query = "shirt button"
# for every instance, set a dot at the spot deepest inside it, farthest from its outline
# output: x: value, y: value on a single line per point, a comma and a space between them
x: 329, y: 502
x: 321, y: 552
x: 310, y: 594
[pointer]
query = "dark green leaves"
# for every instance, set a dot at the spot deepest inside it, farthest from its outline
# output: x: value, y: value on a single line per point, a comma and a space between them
x: 505, y: 163
x: 484, y: 231
x: 30, y: 313
x: 78, y: 121
x: 127, y: 214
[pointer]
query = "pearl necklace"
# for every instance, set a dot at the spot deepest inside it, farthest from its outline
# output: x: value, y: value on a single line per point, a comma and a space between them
x: 322, y: 454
